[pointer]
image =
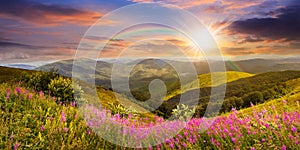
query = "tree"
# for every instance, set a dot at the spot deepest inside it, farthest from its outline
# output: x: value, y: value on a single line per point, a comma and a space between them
x: 40, y: 80
x: 254, y: 97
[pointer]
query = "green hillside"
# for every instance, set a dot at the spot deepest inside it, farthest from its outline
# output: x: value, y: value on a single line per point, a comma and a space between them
x: 239, y: 93
x: 32, y: 119
x: 291, y: 99
x: 204, y: 80
x: 8, y: 74
x: 107, y: 97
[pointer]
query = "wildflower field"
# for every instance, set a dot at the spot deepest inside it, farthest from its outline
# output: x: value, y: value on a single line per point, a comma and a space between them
x: 33, y: 120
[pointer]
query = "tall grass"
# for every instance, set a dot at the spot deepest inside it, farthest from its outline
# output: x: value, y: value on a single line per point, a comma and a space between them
x: 32, y: 120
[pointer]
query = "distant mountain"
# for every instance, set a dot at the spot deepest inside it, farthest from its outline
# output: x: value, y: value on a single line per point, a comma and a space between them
x: 143, y: 72
x: 65, y: 67
x: 263, y: 65
x: 21, y: 66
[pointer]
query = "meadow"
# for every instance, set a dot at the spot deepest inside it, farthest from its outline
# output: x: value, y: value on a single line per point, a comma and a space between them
x: 35, y: 119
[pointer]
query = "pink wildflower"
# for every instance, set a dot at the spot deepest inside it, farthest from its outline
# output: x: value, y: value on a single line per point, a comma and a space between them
x: 233, y: 140
x: 30, y: 96
x: 11, y: 137
x: 184, y: 145
x: 267, y: 125
x: 18, y: 90
x: 63, y: 117
x: 7, y: 94
x: 16, y: 146
x: 66, y: 129
x: 294, y: 129
x: 73, y: 104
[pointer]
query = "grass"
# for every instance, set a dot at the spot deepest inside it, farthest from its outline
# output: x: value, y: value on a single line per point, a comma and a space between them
x: 8, y: 74
x: 292, y: 99
x: 32, y: 120
x: 205, y: 80
x: 110, y: 99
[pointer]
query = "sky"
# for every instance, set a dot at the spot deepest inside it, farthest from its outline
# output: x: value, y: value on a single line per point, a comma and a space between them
x: 48, y: 30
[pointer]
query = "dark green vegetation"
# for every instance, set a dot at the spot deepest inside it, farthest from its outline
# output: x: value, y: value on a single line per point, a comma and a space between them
x: 52, y: 84
x: 240, y: 93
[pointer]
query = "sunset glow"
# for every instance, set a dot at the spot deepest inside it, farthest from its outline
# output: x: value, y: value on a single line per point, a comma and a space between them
x: 52, y: 30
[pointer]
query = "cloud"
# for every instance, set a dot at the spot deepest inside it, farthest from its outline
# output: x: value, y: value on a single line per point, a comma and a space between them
x: 47, y: 15
x: 286, y: 25
x: 180, y: 3
x: 164, y: 47
x: 178, y: 42
x: 12, y: 44
x: 15, y: 52
x: 11, y: 51
x: 238, y: 4
x: 236, y: 51
x: 289, y: 48
x: 251, y: 39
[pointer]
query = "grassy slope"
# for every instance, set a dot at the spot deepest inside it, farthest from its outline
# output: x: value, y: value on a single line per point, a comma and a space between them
x: 24, y: 115
x: 106, y: 96
x: 205, y: 80
x: 24, y: 118
x: 292, y: 100
x: 7, y: 74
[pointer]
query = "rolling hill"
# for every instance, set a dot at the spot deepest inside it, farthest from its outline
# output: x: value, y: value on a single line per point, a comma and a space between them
x: 107, y: 97
x: 205, y: 80
x: 239, y: 93
x: 7, y: 74
x: 291, y: 100
x: 151, y: 68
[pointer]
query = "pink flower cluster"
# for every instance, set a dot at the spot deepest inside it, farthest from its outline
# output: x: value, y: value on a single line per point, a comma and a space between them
x: 261, y: 129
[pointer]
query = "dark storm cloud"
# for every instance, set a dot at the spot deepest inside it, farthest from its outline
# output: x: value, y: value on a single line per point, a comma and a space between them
x: 286, y: 25
x: 12, y: 44
x: 44, y: 14
x: 6, y: 45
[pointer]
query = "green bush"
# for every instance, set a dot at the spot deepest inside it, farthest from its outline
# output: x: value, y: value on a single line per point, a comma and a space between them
x: 62, y: 89
x: 183, y: 112
x: 52, y: 83
x: 40, y: 80
x: 119, y: 109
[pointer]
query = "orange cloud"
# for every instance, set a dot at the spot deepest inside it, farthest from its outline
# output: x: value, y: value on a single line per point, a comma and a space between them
x: 238, y: 4
x: 46, y: 15
x: 180, y: 3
